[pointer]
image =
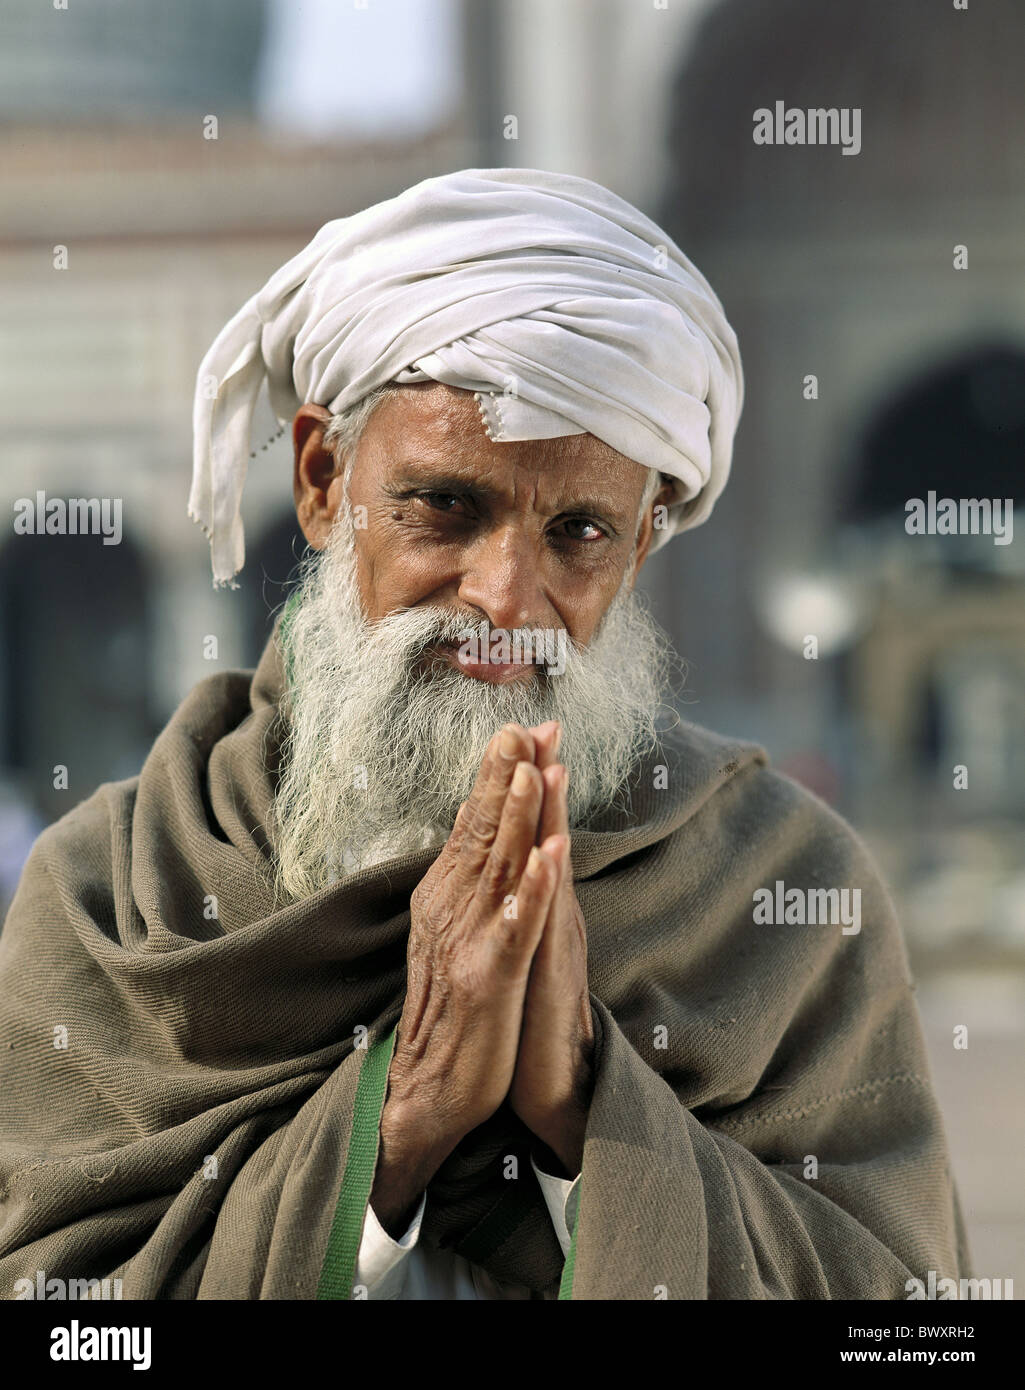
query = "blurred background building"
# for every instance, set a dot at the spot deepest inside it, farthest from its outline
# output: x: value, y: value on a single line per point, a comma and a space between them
x: 179, y: 154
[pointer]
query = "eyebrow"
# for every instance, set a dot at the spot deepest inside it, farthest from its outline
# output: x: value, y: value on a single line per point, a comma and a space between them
x: 443, y: 478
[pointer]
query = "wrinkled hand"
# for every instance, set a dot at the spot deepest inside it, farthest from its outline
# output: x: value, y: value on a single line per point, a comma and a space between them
x: 470, y: 951
x: 496, y: 1005
x: 476, y: 920
x: 553, y: 1079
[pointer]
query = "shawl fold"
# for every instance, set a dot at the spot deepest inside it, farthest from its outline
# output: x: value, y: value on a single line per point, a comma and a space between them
x: 180, y: 1058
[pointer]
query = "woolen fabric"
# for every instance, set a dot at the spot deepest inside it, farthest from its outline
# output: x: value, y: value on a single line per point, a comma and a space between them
x: 191, y: 1137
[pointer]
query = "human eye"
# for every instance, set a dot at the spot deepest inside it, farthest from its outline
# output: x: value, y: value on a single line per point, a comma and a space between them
x: 441, y: 501
x: 597, y: 532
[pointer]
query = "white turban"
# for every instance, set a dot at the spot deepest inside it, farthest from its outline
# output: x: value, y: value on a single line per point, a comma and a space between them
x: 567, y: 309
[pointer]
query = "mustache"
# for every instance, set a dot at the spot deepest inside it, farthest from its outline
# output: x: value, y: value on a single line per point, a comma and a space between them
x: 383, y: 738
x: 411, y: 637
x: 433, y: 626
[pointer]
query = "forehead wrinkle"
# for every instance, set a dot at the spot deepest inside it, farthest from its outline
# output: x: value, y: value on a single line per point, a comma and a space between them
x: 449, y: 424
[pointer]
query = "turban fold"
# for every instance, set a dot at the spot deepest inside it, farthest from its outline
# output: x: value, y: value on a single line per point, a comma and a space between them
x: 564, y: 307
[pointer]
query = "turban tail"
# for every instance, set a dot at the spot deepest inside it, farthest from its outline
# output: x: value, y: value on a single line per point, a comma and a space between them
x: 563, y: 306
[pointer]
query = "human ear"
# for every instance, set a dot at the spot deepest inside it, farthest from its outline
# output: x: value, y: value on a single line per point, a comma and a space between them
x: 314, y: 471
x: 642, y: 546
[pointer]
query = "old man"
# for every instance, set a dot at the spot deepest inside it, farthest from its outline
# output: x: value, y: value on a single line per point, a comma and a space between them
x: 425, y: 961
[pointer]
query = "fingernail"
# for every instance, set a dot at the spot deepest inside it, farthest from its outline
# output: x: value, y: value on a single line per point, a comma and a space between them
x: 533, y: 861
x: 558, y: 738
x: 508, y: 743
x: 521, y: 777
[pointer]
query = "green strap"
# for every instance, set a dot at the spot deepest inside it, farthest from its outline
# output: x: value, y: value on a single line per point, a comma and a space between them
x: 339, y: 1268
x: 287, y: 614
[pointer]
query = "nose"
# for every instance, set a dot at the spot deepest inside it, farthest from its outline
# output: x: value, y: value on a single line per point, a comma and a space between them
x: 502, y: 579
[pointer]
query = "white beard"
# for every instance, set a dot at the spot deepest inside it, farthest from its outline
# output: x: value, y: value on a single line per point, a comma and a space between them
x: 381, y: 748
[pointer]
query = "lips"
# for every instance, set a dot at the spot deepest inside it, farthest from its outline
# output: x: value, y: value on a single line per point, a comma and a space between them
x: 497, y: 672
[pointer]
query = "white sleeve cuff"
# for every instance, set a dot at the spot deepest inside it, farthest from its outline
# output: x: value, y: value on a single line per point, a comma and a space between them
x: 561, y: 1197
x: 381, y: 1263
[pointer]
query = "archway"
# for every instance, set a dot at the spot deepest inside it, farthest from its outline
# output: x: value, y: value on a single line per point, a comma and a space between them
x: 76, y: 665
x: 942, y: 669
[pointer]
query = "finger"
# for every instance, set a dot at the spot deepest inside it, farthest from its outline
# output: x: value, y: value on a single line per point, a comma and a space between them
x: 465, y: 812
x: 520, y: 932
x: 547, y: 738
x: 554, y: 819
x: 517, y: 831
x: 552, y: 943
x: 556, y: 847
x: 479, y: 816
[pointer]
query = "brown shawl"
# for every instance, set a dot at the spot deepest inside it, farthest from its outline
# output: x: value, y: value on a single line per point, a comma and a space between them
x: 192, y: 1136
